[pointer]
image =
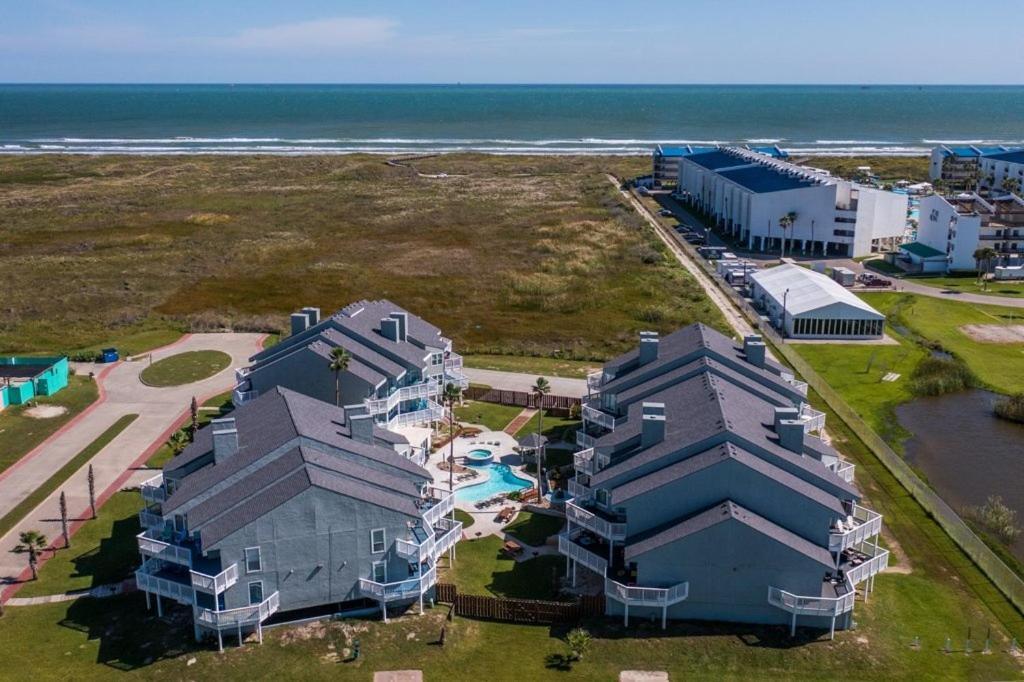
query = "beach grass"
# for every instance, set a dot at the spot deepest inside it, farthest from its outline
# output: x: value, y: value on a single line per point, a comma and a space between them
x: 887, y: 168
x: 509, y: 255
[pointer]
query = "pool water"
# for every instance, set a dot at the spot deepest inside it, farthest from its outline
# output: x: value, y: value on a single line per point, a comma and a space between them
x: 502, y: 480
x: 479, y: 454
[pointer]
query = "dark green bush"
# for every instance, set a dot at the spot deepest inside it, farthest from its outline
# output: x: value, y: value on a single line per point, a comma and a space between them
x: 1011, y: 408
x: 938, y: 376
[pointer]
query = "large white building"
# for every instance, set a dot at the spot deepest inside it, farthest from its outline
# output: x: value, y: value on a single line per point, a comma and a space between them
x: 996, y: 169
x: 960, y: 167
x: 809, y: 305
x: 750, y: 195
x: 960, y: 225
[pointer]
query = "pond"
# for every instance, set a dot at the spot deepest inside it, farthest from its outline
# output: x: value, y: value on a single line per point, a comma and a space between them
x: 966, y: 452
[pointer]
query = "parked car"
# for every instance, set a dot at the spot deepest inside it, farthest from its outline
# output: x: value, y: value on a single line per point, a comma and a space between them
x: 682, y: 229
x: 665, y: 213
x: 694, y: 238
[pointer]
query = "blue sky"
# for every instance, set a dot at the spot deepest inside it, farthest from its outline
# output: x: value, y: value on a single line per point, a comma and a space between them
x: 523, y: 41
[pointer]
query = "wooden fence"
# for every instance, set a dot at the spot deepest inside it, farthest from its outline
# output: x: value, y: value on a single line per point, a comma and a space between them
x: 556, y: 404
x: 526, y: 611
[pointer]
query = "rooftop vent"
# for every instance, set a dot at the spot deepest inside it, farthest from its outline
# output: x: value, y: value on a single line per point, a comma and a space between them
x: 361, y: 428
x: 652, y: 428
x: 754, y: 349
x: 300, y: 323
x: 312, y: 314
x: 225, y: 439
x: 403, y: 325
x: 649, y: 343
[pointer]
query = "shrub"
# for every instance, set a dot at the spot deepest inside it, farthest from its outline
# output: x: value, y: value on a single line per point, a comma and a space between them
x: 997, y: 518
x: 579, y: 641
x: 1011, y: 408
x: 937, y: 376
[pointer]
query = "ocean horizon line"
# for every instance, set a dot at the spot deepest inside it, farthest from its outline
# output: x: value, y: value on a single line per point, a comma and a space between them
x: 712, y: 84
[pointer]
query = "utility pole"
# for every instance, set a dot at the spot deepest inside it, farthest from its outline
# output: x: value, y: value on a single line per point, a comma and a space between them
x: 64, y: 519
x: 92, y: 492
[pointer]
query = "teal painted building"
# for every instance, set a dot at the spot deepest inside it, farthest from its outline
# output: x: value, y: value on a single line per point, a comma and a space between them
x: 24, y: 378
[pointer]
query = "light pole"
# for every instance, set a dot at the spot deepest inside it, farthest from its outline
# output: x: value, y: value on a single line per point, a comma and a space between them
x: 785, y: 295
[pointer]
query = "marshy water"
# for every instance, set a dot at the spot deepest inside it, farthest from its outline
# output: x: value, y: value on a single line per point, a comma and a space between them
x: 966, y: 452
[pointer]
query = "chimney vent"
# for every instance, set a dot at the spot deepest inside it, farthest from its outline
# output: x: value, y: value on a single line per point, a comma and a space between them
x: 389, y: 328
x: 300, y: 323
x: 754, y: 349
x: 403, y: 325
x: 652, y: 427
x: 791, y: 435
x: 361, y: 428
x: 649, y: 342
x: 225, y: 438
x: 313, y: 315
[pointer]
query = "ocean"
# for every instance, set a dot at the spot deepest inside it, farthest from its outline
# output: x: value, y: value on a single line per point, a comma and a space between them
x: 500, y: 119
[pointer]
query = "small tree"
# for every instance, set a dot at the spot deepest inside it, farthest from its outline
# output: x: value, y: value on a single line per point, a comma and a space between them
x: 982, y: 258
x: 178, y: 442
x: 1000, y: 519
x: 64, y: 520
x: 92, y: 491
x: 540, y: 389
x: 786, y: 222
x: 339, y: 363
x: 578, y: 640
x: 31, y: 542
x: 1011, y: 185
x: 194, y: 410
x: 452, y: 395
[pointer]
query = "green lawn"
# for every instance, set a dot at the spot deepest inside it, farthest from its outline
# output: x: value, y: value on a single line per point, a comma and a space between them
x: 491, y: 415
x: 465, y: 517
x: 534, y: 529
x: 482, y: 568
x: 185, y: 368
x: 555, y: 428
x: 222, y: 401
x: 855, y: 371
x: 19, y: 433
x: 970, y: 285
x: 33, y: 500
x: 541, y: 366
x: 103, y: 551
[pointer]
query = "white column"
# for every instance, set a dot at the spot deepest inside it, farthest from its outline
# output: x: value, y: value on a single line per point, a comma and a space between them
x: 792, y: 626
x: 421, y: 603
x: 148, y: 607
x: 259, y: 630
x: 664, y: 615
x: 625, y: 620
x: 384, y: 610
x: 239, y: 625
x: 159, y: 606
x: 220, y: 641
x: 832, y: 631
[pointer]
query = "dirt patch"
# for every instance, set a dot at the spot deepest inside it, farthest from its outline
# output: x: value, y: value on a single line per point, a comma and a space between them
x: 45, y: 411
x: 994, y: 333
x: 902, y: 563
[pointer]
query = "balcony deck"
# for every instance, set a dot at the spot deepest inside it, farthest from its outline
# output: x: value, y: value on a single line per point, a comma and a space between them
x: 235, y: 618
x: 411, y: 588
x: 168, y: 581
x: 862, y: 524
x: 152, y: 544
x: 608, y: 526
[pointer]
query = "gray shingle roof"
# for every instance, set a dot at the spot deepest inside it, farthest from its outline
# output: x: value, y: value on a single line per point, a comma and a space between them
x: 715, y: 456
x: 727, y: 511
x: 272, y: 421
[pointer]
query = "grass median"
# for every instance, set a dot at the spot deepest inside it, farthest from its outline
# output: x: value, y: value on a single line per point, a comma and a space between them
x: 15, y: 516
x: 185, y: 368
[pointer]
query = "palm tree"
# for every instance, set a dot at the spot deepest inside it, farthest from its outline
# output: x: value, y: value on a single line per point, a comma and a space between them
x: 982, y: 258
x: 178, y: 442
x: 540, y: 389
x: 339, y: 363
x: 1011, y: 185
x: 786, y: 222
x: 32, y: 542
x: 452, y: 394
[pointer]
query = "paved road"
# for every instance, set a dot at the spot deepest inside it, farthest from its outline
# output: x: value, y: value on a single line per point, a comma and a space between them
x: 121, y: 393
x: 516, y: 381
x: 909, y: 285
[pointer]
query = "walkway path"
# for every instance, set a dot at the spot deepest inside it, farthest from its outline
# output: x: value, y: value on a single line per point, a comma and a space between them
x: 733, y: 317
x: 521, y: 420
x: 98, y: 592
x: 520, y: 381
x: 159, y: 410
x: 909, y: 285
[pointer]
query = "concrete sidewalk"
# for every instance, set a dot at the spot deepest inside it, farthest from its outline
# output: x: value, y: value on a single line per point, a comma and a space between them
x: 910, y: 286
x: 122, y: 392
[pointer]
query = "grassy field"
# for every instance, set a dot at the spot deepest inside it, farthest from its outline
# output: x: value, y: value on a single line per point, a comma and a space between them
x: 856, y: 371
x: 491, y: 415
x: 103, y: 551
x: 20, y: 433
x: 13, y: 517
x: 970, y: 285
x: 482, y: 568
x: 554, y: 427
x: 185, y: 368
x: 888, y: 168
x: 534, y: 529
x: 548, y: 367
x: 508, y: 255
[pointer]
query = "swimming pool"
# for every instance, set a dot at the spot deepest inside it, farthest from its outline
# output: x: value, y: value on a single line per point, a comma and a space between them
x: 479, y: 456
x: 501, y: 480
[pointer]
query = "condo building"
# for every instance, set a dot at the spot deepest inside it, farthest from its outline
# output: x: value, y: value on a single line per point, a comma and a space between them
x: 957, y: 226
x: 960, y: 167
x: 666, y: 159
x: 1002, y: 172
x: 703, y: 492
x: 398, y: 367
x: 768, y: 204
x: 291, y: 506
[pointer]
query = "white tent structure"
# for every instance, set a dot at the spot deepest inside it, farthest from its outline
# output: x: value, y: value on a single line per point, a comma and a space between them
x: 809, y: 305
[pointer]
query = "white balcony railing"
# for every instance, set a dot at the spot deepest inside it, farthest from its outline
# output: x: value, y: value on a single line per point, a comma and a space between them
x: 153, y: 490
x: 810, y: 605
x: 240, y: 396
x: 451, y: 534
x: 844, y: 470
x: 800, y: 386
x: 149, y: 520
x: 862, y: 524
x: 568, y: 547
x: 594, y: 380
x: 596, y: 416
x: 442, y: 502
x: 215, y: 584
x: 402, y: 589
x: 246, y: 615
x: 583, y: 461
x: 241, y: 375
x: 152, y: 546
x: 147, y: 582
x: 584, y: 440
x: 453, y: 363
x: 577, y: 489
x: 432, y: 413
x: 637, y: 595
x: 813, y: 419
x: 878, y: 562
x: 607, y: 529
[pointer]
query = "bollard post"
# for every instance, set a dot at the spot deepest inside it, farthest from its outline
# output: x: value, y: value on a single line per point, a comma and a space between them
x: 947, y: 645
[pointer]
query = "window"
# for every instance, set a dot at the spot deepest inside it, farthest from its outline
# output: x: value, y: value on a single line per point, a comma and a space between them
x: 380, y: 572
x: 253, y: 560
x: 377, y: 544
x: 179, y: 523
x: 256, y: 592
x: 602, y: 496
